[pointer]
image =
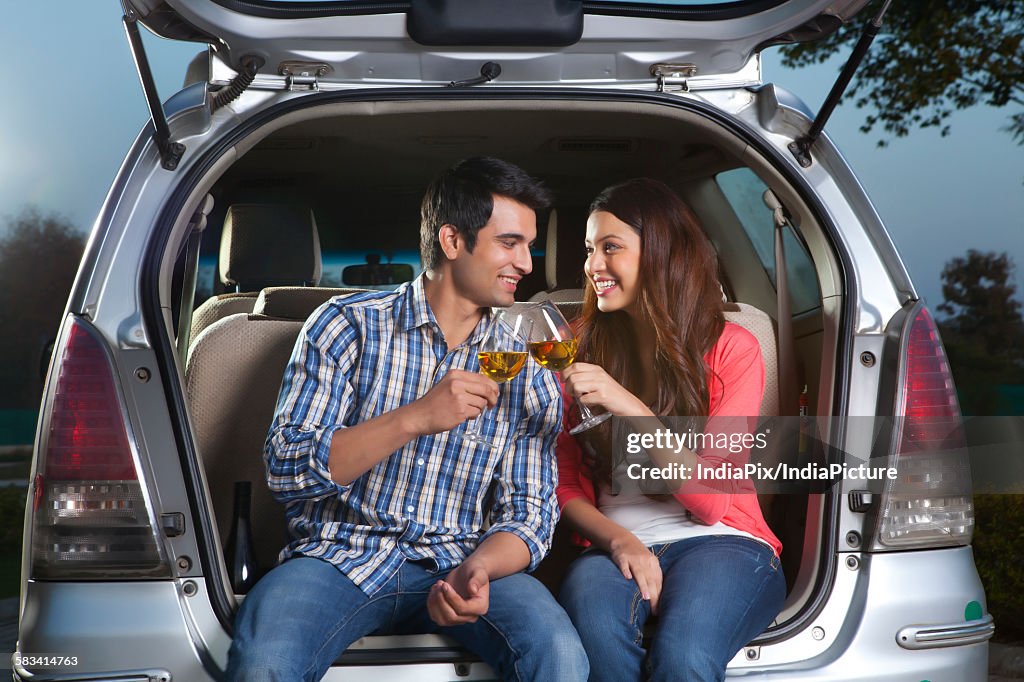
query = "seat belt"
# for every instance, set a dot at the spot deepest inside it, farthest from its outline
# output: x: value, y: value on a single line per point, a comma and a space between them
x: 788, y: 379
x: 188, y: 289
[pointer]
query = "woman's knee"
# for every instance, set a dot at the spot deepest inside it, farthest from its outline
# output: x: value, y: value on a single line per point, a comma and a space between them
x: 688, y: 659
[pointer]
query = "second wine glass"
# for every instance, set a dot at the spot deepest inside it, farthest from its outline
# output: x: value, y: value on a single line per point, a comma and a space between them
x: 553, y: 344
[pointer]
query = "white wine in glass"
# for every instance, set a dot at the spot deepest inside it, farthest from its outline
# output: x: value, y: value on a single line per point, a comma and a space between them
x: 501, y: 365
x: 553, y: 344
x: 502, y: 356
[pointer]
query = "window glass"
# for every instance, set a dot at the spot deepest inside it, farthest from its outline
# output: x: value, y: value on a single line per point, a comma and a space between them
x: 744, y: 190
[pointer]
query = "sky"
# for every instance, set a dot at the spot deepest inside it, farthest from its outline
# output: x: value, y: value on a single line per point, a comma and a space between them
x: 69, y: 115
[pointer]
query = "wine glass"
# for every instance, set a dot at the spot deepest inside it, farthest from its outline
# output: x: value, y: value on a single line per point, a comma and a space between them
x: 502, y: 356
x: 553, y: 345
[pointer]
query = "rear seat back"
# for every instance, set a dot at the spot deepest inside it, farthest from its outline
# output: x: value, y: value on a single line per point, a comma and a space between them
x: 262, y: 245
x: 232, y: 379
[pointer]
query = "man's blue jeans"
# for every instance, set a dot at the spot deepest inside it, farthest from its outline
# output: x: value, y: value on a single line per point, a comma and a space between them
x: 718, y: 593
x: 302, y: 615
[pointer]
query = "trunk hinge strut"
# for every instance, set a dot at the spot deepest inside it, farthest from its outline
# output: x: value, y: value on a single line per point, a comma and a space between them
x: 673, y: 76
x: 801, y: 148
x: 170, y: 152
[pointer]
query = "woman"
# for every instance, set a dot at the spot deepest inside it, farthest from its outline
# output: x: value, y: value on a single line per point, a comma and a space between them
x: 655, y: 342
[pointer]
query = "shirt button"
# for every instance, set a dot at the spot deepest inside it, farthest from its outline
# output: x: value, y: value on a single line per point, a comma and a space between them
x: 420, y: 461
x: 410, y: 509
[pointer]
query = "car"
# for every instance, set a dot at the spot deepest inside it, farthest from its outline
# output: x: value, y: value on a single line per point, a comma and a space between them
x: 289, y: 170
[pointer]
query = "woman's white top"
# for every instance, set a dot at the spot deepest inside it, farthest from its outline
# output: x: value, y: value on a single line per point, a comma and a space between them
x: 654, y: 522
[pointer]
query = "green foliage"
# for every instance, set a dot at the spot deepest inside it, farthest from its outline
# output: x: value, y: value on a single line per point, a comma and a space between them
x: 12, y: 521
x: 39, y: 255
x: 984, y: 337
x: 983, y: 332
x: 930, y: 59
x: 998, y: 548
x: 12, y: 517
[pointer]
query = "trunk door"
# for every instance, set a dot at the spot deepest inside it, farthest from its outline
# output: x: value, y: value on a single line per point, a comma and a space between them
x: 438, y: 42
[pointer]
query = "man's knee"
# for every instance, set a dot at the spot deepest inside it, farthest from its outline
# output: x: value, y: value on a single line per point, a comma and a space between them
x: 557, y: 654
x: 266, y: 663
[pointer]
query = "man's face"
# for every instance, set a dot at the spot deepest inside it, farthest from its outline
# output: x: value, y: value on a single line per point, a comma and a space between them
x: 490, y: 274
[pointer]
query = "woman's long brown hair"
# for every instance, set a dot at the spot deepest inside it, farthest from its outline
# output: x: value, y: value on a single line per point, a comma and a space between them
x: 679, y: 297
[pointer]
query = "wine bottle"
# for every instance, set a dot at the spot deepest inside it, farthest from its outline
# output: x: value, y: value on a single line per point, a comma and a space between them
x: 240, y: 552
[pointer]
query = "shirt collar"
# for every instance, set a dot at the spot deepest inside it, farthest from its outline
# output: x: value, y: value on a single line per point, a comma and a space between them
x: 416, y: 312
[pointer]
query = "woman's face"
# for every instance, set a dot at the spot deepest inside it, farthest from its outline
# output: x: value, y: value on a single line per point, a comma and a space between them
x: 613, y: 262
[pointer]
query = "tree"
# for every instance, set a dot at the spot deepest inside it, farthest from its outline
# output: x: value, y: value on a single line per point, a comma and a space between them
x: 39, y: 255
x: 983, y: 331
x: 930, y: 59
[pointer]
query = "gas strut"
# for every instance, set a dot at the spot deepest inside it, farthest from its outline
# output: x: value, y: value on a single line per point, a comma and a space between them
x: 801, y: 148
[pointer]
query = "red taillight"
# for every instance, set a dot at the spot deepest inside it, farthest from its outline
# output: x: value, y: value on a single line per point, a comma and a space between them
x: 930, y: 503
x: 930, y: 409
x: 90, y: 515
x: 87, y: 437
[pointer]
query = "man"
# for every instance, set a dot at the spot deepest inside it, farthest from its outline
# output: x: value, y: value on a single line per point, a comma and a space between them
x: 386, y: 503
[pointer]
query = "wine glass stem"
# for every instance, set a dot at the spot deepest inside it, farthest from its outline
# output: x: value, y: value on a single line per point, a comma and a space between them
x: 473, y: 427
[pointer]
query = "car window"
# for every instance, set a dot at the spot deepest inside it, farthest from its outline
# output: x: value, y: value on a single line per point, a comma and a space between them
x: 743, y: 189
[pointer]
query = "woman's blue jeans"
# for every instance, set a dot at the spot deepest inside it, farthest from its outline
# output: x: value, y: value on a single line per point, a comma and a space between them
x: 302, y: 615
x: 718, y: 593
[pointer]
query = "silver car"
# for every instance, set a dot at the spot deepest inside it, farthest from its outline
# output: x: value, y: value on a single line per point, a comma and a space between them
x: 289, y: 170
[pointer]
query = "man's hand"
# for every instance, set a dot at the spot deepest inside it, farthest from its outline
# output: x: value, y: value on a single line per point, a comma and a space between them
x: 460, y: 598
x: 460, y: 395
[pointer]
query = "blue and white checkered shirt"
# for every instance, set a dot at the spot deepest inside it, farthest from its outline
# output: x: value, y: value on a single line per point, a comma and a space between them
x: 360, y: 356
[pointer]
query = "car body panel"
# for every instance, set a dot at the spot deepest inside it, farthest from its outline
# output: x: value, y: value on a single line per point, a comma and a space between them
x: 615, y: 45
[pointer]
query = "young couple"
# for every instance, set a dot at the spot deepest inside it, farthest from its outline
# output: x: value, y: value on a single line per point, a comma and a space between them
x: 400, y: 526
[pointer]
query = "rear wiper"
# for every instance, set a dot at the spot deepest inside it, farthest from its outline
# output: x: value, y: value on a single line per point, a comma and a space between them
x: 801, y: 148
x: 488, y: 72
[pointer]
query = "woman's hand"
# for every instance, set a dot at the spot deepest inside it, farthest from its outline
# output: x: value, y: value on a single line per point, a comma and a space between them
x: 638, y: 563
x: 594, y: 387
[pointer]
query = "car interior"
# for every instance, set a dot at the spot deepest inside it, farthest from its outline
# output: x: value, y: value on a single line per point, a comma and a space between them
x: 347, y: 178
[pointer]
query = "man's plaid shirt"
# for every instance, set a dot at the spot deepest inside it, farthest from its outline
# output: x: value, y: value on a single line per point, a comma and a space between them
x: 362, y: 355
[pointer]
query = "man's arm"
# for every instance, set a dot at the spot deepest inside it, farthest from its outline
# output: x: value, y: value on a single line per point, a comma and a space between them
x: 464, y: 595
x: 310, y: 453
x: 316, y: 396
x: 459, y: 396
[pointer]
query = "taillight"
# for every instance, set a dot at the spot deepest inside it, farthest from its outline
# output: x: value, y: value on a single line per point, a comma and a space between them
x: 930, y: 502
x: 90, y: 516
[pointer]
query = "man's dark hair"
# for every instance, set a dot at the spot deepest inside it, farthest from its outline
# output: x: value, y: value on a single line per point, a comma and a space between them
x: 462, y: 196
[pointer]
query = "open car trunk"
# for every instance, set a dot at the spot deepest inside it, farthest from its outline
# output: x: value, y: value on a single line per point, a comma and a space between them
x: 361, y: 168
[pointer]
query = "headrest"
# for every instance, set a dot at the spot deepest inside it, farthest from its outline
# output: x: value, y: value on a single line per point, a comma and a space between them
x: 269, y: 244
x: 294, y: 303
x: 564, y: 255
